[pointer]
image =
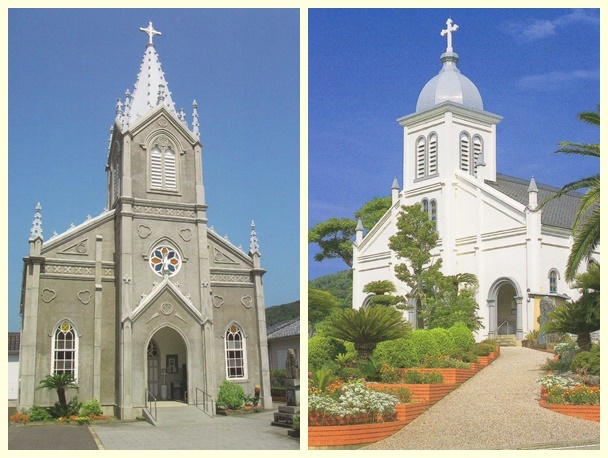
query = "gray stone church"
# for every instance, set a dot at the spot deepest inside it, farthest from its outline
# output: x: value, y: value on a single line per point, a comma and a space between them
x: 144, y: 299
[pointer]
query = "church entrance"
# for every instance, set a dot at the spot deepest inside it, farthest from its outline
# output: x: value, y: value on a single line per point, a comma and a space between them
x: 506, y: 309
x: 167, y: 366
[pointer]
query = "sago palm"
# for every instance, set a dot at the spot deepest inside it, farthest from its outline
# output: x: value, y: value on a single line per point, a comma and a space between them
x: 586, y: 227
x: 367, y: 327
x: 60, y: 383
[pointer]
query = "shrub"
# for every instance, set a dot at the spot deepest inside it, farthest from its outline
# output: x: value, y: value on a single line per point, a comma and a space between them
x: 416, y: 377
x: 444, y: 340
x: 322, y: 351
x: 231, y: 395
x: 277, y: 377
x: 587, y: 362
x: 91, y: 408
x: 425, y: 344
x: 397, y: 353
x: 389, y: 374
x: 465, y: 356
x: 354, y: 372
x: 402, y: 393
x: 319, y: 380
x: 463, y: 337
x: 565, y: 347
x: 483, y: 349
x: 556, y: 366
x: 38, y: 413
x: 72, y: 408
x: 444, y: 362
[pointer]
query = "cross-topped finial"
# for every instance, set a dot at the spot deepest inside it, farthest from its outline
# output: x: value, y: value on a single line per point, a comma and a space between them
x: 150, y: 31
x: 451, y: 27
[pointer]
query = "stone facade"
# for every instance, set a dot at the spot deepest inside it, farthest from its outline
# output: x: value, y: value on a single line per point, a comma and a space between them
x: 147, y: 293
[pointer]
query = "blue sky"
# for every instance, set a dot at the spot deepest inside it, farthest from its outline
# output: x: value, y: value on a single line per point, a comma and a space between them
x: 66, y: 70
x: 536, y: 68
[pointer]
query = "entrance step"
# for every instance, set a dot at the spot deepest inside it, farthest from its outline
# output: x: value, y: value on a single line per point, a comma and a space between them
x: 170, y: 413
x: 507, y: 340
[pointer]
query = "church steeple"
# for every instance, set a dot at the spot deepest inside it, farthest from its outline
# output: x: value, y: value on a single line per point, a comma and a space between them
x: 151, y: 88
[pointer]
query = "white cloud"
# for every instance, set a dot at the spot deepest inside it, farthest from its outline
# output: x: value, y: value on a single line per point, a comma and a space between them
x: 536, y: 29
x: 554, y: 80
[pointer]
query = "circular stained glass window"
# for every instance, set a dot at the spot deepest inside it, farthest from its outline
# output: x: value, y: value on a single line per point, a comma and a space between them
x: 165, y: 258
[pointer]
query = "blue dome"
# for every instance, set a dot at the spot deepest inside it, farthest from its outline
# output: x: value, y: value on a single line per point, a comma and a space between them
x: 449, y: 85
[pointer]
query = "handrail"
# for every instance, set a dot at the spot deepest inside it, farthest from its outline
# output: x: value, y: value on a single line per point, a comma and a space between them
x: 148, y: 396
x: 499, y: 326
x: 206, y: 397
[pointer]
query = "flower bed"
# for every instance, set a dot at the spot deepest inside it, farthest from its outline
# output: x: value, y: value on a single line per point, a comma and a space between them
x: 422, y: 392
x: 319, y: 436
x: 591, y: 413
x: 451, y: 376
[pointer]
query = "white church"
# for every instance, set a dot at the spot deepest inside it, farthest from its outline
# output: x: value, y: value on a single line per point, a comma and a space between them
x: 488, y: 224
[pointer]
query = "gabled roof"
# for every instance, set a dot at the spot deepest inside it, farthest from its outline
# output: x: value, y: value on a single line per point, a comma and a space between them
x: 560, y: 212
x: 290, y: 328
x: 14, y: 339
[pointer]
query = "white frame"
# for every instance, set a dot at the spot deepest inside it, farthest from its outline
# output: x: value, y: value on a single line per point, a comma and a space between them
x: 243, y: 349
x: 56, y: 329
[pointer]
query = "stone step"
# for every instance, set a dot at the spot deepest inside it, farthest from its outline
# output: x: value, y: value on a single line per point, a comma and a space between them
x: 507, y: 340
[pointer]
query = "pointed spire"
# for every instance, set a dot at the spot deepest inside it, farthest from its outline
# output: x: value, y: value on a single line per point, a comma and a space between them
x: 36, y: 231
x: 394, y: 191
x: 195, y: 120
x: 119, y: 117
x: 182, y: 115
x: 359, y: 232
x: 128, y: 101
x: 532, y: 194
x: 254, y: 248
x: 151, y: 88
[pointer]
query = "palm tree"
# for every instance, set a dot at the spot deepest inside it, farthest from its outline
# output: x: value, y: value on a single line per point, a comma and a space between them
x: 586, y: 227
x: 367, y: 327
x: 59, y: 382
x: 582, y: 316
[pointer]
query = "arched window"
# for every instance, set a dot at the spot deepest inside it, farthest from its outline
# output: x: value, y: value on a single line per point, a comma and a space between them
x: 432, y: 153
x: 433, y: 213
x: 236, y: 355
x: 465, y: 152
x: 420, y: 157
x: 163, y: 168
x: 64, y: 345
x: 477, y: 152
x: 553, y: 276
x: 425, y: 206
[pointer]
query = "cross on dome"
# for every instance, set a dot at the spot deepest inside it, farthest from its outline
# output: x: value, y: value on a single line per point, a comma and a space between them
x: 451, y: 27
x: 150, y: 31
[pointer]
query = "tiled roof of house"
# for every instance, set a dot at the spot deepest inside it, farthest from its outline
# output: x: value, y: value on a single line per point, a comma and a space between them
x: 290, y: 328
x: 560, y: 212
x: 13, y: 341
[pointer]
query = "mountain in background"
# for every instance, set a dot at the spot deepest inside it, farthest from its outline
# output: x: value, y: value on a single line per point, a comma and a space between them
x: 340, y: 285
x: 283, y: 312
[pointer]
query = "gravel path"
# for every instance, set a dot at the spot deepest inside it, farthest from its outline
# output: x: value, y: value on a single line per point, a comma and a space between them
x: 496, y: 409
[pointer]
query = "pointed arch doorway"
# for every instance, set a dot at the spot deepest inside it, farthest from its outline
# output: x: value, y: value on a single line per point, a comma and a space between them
x: 167, y: 365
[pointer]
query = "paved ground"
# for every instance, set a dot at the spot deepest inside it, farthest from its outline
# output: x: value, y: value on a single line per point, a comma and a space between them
x: 179, y: 428
x: 496, y: 409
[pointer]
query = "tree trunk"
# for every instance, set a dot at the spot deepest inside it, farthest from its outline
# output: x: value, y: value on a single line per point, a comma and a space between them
x: 61, y: 396
x: 364, y: 350
x: 583, y: 339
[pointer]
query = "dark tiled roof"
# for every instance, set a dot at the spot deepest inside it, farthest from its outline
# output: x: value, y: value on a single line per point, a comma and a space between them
x: 284, y: 329
x: 560, y: 212
x: 13, y: 341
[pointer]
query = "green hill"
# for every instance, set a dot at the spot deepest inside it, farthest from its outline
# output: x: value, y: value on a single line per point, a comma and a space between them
x: 283, y: 312
x: 339, y: 284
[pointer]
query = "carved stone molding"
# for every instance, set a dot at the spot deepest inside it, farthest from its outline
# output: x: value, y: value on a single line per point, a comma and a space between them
x: 146, y: 209
x: 185, y: 234
x: 247, y: 301
x: 48, y: 295
x: 218, y: 301
x: 166, y: 308
x: 68, y: 270
x: 143, y: 231
x: 231, y: 278
x: 222, y: 258
x: 79, y: 248
x: 84, y: 296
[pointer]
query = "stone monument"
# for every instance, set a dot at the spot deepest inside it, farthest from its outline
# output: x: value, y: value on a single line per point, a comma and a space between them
x: 284, y: 417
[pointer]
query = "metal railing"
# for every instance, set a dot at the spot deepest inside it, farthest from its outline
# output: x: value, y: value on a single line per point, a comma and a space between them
x: 499, y: 326
x: 207, y: 402
x: 150, y: 397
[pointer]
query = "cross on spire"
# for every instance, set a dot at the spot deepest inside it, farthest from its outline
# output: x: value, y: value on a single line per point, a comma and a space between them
x: 451, y: 27
x: 150, y: 31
